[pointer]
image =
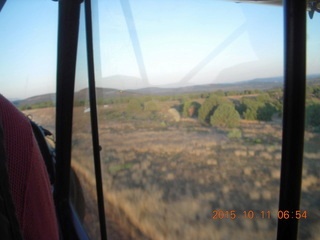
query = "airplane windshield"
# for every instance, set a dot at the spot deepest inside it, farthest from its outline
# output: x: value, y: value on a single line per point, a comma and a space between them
x: 189, y: 100
x: 190, y: 119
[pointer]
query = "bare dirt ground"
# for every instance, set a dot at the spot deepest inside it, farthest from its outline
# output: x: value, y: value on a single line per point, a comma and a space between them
x: 166, y: 180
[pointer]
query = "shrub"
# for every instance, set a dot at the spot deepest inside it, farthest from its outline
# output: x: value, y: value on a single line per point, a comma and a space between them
x: 316, y: 91
x: 25, y: 107
x: 259, y: 108
x: 219, y: 93
x: 266, y: 112
x: 235, y: 133
x: 190, y: 109
x: 208, y: 107
x: 313, y: 115
x: 134, y: 105
x: 250, y: 114
x: 225, y: 116
x: 251, y: 106
x: 151, y: 106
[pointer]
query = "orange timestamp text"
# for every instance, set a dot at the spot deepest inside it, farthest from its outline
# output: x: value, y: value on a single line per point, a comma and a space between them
x: 251, y: 214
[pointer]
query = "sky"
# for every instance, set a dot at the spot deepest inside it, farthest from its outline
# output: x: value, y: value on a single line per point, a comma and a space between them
x: 155, y: 43
x: 188, y: 42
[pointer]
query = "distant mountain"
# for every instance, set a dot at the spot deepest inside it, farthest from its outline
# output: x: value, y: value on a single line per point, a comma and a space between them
x: 265, y: 80
x: 50, y: 97
x: 259, y: 83
x: 83, y: 94
x: 14, y: 99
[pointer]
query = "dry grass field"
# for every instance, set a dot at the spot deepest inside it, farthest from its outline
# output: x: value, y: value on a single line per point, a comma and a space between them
x: 164, y: 177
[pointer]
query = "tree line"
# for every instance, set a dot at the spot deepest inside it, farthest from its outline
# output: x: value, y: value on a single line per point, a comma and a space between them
x: 219, y: 108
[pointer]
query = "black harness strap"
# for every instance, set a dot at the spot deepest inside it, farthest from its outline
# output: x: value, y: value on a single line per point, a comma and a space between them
x: 48, y: 155
x: 9, y: 226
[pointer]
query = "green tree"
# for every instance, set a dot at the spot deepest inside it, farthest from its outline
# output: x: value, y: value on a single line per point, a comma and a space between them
x: 313, y: 115
x: 265, y: 112
x: 261, y: 107
x: 191, y: 109
x: 225, y: 116
x: 208, y: 107
x: 250, y: 106
x: 263, y: 98
x: 232, y: 93
x: 316, y: 91
x: 25, y: 107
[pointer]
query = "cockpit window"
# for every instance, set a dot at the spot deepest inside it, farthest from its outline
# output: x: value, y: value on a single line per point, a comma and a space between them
x: 189, y: 99
x: 190, y: 116
x: 310, y: 189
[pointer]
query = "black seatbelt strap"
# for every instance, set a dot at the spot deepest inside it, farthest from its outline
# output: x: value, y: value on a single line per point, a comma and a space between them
x: 47, y: 152
x: 9, y: 226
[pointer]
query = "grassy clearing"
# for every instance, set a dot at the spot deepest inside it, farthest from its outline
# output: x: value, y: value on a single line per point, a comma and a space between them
x: 164, y: 178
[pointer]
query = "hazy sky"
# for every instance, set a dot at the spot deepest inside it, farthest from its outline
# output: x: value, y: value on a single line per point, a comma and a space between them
x: 159, y: 43
x: 28, y: 32
x: 192, y: 41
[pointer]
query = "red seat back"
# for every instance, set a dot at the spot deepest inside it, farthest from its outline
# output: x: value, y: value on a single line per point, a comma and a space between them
x: 29, y: 183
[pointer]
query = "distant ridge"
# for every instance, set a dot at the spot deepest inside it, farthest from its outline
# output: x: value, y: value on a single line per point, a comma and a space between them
x: 81, y: 95
x: 259, y: 83
x: 49, y: 97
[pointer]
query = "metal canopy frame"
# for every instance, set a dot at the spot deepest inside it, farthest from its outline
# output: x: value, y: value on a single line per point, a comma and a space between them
x: 94, y: 119
x: 293, y: 112
x: 68, y: 29
x: 293, y: 115
x: 2, y: 2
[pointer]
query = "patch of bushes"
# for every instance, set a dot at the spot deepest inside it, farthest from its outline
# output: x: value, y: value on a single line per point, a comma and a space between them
x: 235, y: 133
x: 225, y: 116
x: 151, y: 106
x: 313, y: 116
x: 191, y: 109
x: 134, y: 105
x: 208, y: 107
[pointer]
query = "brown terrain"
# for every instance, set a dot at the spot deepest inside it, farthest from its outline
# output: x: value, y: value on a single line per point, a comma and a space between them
x: 166, y: 177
